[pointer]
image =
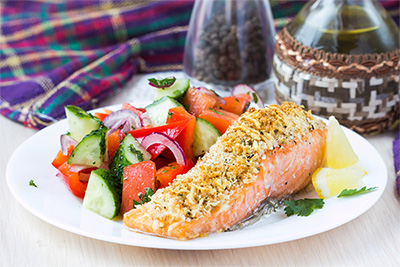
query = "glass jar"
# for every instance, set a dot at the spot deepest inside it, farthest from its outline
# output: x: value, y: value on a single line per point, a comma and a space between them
x: 230, y: 42
x: 341, y: 58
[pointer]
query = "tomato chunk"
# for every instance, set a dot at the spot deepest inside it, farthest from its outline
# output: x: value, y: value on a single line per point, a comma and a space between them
x: 136, y: 178
x: 113, y: 142
x: 167, y: 174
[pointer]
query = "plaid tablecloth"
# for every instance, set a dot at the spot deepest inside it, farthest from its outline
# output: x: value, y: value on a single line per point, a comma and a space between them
x: 80, y: 52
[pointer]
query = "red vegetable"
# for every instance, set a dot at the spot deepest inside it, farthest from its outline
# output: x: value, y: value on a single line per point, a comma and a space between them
x: 61, y: 158
x: 113, y: 142
x: 167, y: 174
x: 221, y: 119
x: 136, y: 178
x: 77, y: 187
x: 236, y: 104
x: 185, y: 138
x: 172, y: 130
x: 161, y: 138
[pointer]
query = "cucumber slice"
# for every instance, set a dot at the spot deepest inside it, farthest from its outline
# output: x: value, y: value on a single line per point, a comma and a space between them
x: 91, y: 151
x: 80, y: 122
x: 158, y: 110
x: 177, y: 90
x: 205, y: 135
x: 103, y: 195
x: 129, y: 152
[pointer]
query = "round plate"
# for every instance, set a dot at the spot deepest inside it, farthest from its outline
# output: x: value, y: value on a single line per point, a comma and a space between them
x: 52, y: 202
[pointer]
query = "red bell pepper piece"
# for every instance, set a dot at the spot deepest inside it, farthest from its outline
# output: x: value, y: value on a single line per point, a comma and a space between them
x: 77, y: 187
x: 221, y: 119
x: 237, y: 103
x: 61, y: 158
x: 167, y: 174
x: 185, y: 138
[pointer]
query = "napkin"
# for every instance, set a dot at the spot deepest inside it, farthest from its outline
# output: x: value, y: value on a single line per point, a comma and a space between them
x: 80, y: 52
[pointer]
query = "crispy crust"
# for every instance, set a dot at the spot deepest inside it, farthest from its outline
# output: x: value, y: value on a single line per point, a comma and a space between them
x: 232, y: 162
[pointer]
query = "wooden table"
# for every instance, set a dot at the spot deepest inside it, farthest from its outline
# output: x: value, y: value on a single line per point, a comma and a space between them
x: 371, y: 239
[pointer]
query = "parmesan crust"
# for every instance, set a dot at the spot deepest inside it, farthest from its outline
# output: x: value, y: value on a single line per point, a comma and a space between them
x: 232, y: 162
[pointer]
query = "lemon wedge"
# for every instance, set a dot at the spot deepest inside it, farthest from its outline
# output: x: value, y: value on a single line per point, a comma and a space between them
x: 339, y: 153
x: 331, y: 182
x: 343, y: 169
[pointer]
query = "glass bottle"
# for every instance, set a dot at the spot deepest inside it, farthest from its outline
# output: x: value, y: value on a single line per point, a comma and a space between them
x: 230, y: 42
x: 341, y: 58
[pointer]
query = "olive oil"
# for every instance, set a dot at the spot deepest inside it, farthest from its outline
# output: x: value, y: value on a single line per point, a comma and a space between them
x: 345, y: 27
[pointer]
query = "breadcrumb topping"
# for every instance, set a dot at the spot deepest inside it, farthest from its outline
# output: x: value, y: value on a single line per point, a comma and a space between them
x: 234, y: 160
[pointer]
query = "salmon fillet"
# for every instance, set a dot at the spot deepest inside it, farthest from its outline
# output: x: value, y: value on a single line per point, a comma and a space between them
x: 267, y: 153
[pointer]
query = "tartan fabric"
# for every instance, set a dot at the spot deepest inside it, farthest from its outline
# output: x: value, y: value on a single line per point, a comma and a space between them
x: 79, y: 52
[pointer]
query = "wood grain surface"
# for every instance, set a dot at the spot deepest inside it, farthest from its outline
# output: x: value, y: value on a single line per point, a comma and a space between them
x: 372, y: 239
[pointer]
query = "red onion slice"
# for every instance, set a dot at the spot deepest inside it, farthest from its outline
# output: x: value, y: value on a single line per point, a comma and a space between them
x: 145, y: 119
x: 66, y: 141
x: 245, y: 89
x: 161, y: 138
x: 125, y: 118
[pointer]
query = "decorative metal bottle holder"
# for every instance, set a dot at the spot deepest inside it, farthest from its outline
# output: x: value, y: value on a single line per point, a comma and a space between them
x: 361, y: 91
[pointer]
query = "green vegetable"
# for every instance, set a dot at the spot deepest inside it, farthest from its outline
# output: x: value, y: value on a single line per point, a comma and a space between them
x: 353, y: 192
x: 32, y: 183
x: 148, y: 192
x: 167, y: 82
x: 303, y: 207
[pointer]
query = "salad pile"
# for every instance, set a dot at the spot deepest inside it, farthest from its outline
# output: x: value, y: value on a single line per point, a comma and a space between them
x: 115, y: 160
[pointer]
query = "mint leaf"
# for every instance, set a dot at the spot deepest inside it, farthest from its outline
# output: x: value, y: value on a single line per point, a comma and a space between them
x: 353, y: 192
x: 167, y: 82
x: 303, y: 207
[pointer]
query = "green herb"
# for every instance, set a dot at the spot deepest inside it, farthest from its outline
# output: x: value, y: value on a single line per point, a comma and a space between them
x: 255, y: 97
x: 170, y: 114
x: 136, y: 152
x: 237, y: 100
x: 148, y: 192
x: 352, y: 192
x: 167, y: 82
x: 32, y: 183
x: 303, y: 207
x: 216, y: 111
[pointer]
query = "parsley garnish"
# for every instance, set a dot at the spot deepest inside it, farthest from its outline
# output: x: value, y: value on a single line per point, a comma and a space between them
x: 170, y: 114
x: 255, y: 97
x: 216, y: 111
x: 148, y: 192
x: 167, y: 82
x: 352, y: 192
x: 303, y: 207
x: 32, y: 183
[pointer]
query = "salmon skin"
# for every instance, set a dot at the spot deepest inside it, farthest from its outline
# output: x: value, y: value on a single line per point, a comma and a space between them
x: 266, y: 153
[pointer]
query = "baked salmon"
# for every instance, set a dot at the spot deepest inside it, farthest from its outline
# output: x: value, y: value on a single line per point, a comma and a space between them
x: 266, y: 153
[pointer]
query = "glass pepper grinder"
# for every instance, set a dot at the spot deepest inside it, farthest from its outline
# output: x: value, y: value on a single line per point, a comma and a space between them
x: 341, y: 58
x: 228, y: 43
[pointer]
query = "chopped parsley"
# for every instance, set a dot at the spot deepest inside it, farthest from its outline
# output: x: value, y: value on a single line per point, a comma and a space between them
x: 303, y: 207
x: 164, y: 83
x: 170, y: 114
x: 353, y: 192
x: 32, y: 183
x: 148, y: 192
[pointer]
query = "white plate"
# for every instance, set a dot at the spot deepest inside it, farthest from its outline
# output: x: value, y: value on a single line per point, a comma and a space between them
x: 52, y: 202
